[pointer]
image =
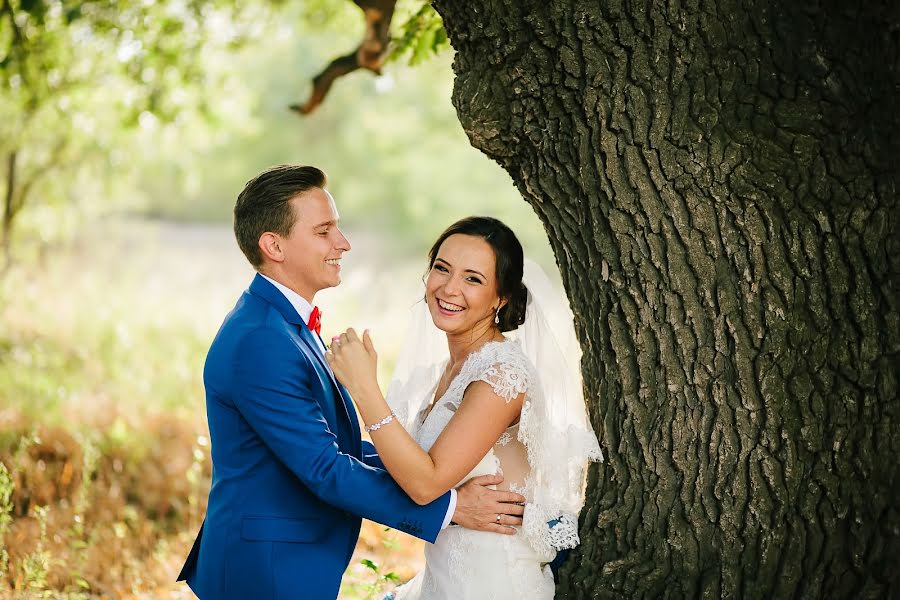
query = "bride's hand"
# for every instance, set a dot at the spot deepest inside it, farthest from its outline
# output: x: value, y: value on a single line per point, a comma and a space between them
x: 354, y: 362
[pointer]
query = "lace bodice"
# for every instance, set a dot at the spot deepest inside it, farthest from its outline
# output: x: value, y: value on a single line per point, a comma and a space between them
x: 506, y: 369
x: 508, y: 566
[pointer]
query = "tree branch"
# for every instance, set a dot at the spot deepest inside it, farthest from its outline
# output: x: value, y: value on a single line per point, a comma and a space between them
x: 17, y: 42
x: 53, y: 161
x: 369, y: 55
x: 8, y: 214
x: 10, y: 186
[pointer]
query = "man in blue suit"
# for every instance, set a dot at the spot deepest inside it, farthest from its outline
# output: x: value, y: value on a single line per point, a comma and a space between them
x: 291, y: 476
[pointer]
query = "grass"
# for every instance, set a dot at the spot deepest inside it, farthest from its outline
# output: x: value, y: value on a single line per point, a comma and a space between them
x: 104, y: 452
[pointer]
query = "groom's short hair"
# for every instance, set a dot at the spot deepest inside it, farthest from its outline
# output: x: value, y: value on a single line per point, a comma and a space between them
x: 265, y: 205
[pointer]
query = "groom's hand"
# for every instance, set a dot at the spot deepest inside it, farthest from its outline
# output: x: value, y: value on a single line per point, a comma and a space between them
x: 478, y: 507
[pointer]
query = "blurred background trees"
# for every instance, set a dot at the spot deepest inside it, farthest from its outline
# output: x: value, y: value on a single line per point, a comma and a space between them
x: 85, y: 82
x: 165, y: 109
x: 126, y: 131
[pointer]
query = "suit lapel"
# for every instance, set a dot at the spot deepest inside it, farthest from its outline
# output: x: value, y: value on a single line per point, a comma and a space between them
x: 351, y: 412
x: 273, y: 295
x: 307, y: 336
x: 345, y: 396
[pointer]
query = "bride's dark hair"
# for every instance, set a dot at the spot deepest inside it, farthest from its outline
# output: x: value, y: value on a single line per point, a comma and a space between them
x: 509, y: 263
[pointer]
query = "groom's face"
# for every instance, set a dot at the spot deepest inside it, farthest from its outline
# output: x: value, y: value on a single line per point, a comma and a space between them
x: 313, y: 249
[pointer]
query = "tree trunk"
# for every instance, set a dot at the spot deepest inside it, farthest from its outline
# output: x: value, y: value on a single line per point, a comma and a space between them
x: 719, y: 185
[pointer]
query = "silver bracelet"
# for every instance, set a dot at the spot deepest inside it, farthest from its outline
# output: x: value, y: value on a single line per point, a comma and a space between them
x: 379, y: 424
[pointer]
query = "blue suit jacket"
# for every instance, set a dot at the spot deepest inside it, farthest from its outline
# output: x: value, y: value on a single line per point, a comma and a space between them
x: 291, y: 477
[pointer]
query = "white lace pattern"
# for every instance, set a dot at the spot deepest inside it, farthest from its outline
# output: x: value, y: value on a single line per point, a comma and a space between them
x: 508, y: 567
x: 500, y: 364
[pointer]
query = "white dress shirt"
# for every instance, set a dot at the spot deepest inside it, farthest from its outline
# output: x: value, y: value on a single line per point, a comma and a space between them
x: 304, y: 309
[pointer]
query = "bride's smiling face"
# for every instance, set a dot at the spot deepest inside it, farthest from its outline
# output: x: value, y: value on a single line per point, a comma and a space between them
x: 461, y: 288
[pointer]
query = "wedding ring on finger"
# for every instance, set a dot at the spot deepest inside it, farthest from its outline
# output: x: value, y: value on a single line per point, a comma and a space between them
x: 498, y: 517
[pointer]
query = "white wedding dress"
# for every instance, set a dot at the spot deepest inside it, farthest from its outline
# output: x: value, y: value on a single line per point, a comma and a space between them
x: 464, y: 564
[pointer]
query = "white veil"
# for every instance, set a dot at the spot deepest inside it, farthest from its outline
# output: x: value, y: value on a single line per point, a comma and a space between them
x: 554, y: 425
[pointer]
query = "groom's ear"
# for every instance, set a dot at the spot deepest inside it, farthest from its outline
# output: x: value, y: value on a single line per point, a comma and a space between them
x: 270, y: 246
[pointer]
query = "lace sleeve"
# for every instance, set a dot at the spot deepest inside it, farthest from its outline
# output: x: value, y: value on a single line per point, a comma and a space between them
x: 506, y: 371
x: 502, y: 365
x: 507, y: 380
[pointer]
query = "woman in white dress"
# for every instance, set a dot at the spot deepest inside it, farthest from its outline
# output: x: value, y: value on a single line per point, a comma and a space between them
x: 481, y: 403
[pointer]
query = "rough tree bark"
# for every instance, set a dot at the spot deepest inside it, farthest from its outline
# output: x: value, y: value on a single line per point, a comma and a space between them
x: 719, y: 184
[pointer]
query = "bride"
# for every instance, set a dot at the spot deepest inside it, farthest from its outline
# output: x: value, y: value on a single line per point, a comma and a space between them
x: 496, y: 404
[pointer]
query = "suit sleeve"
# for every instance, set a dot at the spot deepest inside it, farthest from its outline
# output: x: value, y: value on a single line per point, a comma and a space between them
x: 276, y: 391
x: 370, y: 455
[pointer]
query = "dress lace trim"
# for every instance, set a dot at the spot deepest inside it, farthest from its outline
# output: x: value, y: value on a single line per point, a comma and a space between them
x: 501, y: 364
x: 504, y: 366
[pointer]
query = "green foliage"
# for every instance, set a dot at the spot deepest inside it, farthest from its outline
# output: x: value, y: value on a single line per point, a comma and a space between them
x: 141, y: 56
x: 398, y: 161
x: 97, y: 347
x: 168, y: 108
x: 108, y: 546
x: 81, y: 81
x: 78, y: 534
x: 36, y: 565
x: 422, y: 36
x: 7, y: 487
x: 197, y: 481
x: 373, y: 588
x: 89, y: 460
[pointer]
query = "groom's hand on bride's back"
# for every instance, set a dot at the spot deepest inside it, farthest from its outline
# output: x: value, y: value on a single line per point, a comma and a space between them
x: 477, y: 506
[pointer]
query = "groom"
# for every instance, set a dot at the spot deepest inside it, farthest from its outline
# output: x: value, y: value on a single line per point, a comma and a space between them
x: 291, y: 476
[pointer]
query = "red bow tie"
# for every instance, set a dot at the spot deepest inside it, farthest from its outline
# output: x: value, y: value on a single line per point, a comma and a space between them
x: 315, y: 320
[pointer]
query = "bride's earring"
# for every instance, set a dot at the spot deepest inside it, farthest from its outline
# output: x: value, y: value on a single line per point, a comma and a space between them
x: 497, y: 316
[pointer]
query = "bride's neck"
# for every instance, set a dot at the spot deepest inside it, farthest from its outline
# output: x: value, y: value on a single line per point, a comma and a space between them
x: 463, y: 344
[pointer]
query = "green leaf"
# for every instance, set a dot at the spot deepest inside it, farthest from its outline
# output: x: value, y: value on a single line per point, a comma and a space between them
x: 422, y: 36
x: 424, y: 47
x: 369, y: 564
x: 34, y: 7
x: 440, y: 39
x: 73, y: 14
